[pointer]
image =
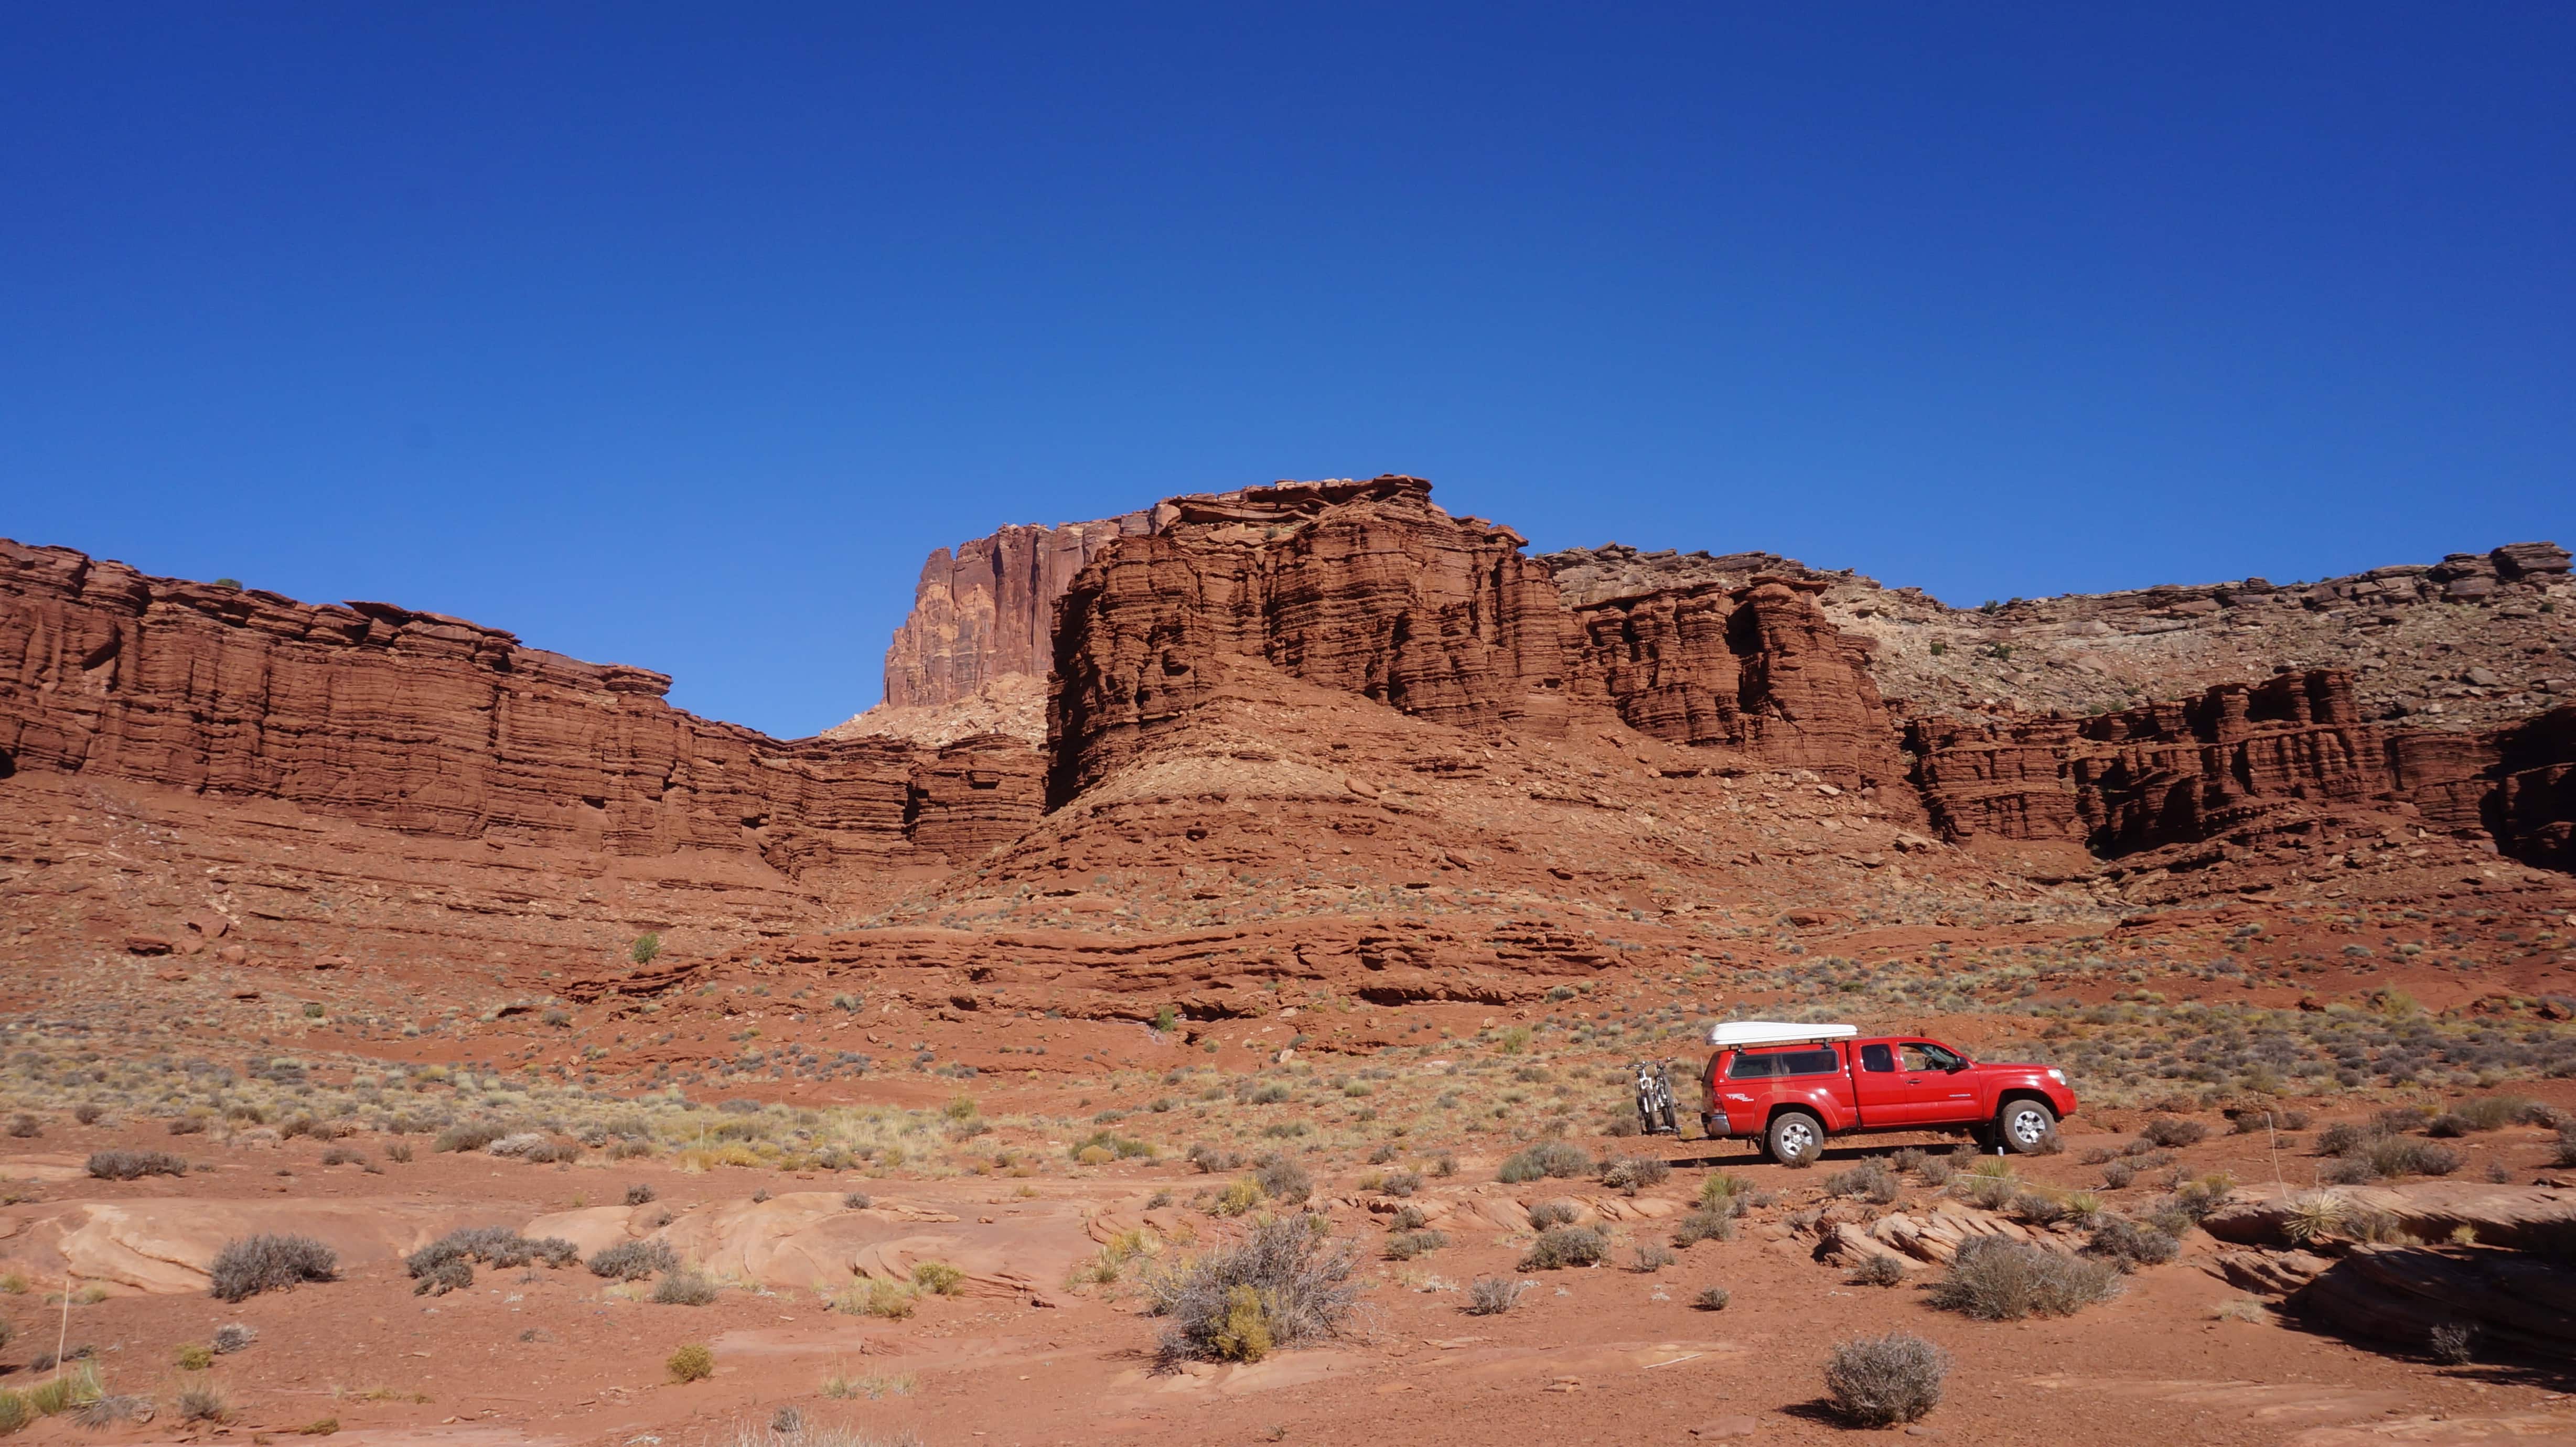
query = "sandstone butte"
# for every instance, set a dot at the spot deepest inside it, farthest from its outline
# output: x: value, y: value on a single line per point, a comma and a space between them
x: 1306, y: 819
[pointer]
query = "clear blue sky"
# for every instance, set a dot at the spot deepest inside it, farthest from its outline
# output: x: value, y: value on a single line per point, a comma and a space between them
x: 676, y: 335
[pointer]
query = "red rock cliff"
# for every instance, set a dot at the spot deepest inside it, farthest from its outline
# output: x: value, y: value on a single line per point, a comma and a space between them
x: 1757, y: 669
x: 419, y: 722
x: 1363, y: 586
x: 2174, y: 772
x: 986, y: 610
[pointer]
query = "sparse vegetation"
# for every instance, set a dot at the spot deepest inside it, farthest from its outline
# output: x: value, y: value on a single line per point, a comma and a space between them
x: 1282, y: 1285
x: 1494, y: 1295
x: 1547, y: 1158
x: 1562, y: 1246
x: 123, y: 1165
x: 683, y: 1287
x: 1886, y: 1381
x: 249, y: 1265
x: 1994, y: 1279
x: 691, y: 1363
x: 633, y: 1260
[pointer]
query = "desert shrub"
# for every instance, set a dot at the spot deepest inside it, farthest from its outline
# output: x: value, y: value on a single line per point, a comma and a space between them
x: 1213, y: 1162
x: 1878, y: 1271
x: 15, y: 1412
x: 683, y: 1287
x: 691, y: 1363
x: 1410, y: 1218
x: 857, y: 1201
x: 938, y: 1278
x: 1909, y: 1159
x: 1712, y: 1298
x: 1405, y: 1245
x: 633, y: 1260
x: 1998, y: 1280
x: 1631, y: 1174
x: 2116, y: 1177
x: 89, y: 1112
x: 1444, y: 1165
x: 187, y: 1125
x: 193, y: 1356
x: 645, y: 948
x: 2400, y: 1156
x: 1283, y: 1180
x: 25, y: 1127
x: 112, y: 1409
x: 1697, y: 1226
x: 1651, y: 1258
x: 123, y: 1165
x: 492, y: 1245
x: 468, y: 1136
x: 1552, y: 1213
x: 1401, y: 1183
x: 1494, y: 1295
x: 1884, y: 1381
x: 1240, y: 1195
x: 1547, y: 1158
x: 640, y: 1194
x: 1935, y: 1171
x: 438, y: 1278
x: 2492, y: 1112
x: 2453, y: 1343
x: 1562, y: 1246
x: 2173, y: 1132
x: 1282, y: 1285
x: 1990, y: 1193
x: 249, y: 1265
x: 233, y: 1336
x: 529, y: 1146
x: 398, y: 1152
x: 1871, y: 1180
x: 1721, y: 1191
x: 867, y: 1296
x: 2127, y: 1245
x: 2036, y: 1207
x: 203, y: 1404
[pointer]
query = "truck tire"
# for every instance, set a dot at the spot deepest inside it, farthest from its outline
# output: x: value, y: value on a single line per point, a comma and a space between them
x: 2026, y: 1126
x: 1795, y: 1138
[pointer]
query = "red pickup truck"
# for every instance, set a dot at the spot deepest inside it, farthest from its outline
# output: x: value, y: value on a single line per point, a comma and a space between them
x: 1789, y: 1086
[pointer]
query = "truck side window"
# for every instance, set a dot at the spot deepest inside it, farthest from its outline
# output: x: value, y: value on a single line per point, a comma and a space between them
x: 1820, y: 1060
x: 1879, y: 1059
x: 1753, y: 1067
x: 1932, y: 1057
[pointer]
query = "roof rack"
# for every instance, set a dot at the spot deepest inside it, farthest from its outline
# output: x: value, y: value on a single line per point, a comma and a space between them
x: 1775, y: 1032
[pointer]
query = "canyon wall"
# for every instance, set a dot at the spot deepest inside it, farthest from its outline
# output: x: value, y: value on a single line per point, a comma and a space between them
x: 2174, y: 772
x: 417, y: 722
x: 986, y: 609
x: 1361, y: 586
x: 1758, y: 669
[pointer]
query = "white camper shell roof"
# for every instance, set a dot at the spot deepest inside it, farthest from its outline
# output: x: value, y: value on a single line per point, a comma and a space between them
x: 1739, y: 1033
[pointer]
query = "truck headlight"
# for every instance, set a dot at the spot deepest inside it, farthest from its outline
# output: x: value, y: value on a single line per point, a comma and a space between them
x: 2057, y: 1075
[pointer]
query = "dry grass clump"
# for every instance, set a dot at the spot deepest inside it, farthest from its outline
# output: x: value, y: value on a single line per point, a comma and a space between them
x: 204, y: 1404
x: 1547, y: 1158
x: 471, y: 1135
x: 1999, y: 1280
x: 633, y: 1260
x: 1561, y: 1246
x: 2127, y: 1245
x: 445, y: 1265
x: 683, y: 1287
x: 1878, y: 1271
x: 2173, y: 1132
x: 1405, y: 1245
x: 1494, y: 1295
x: 640, y: 1194
x: 1712, y: 1298
x: 1283, y: 1180
x: 1871, y: 1180
x: 233, y: 1336
x: 2388, y: 1157
x: 1631, y: 1174
x: 1885, y: 1381
x: 249, y: 1265
x: 1697, y: 1226
x: 124, y: 1165
x: 938, y: 1278
x: 691, y: 1363
x: 1282, y: 1285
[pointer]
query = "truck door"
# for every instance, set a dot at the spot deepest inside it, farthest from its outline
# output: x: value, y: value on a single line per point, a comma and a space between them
x: 1886, y: 1094
x: 1943, y: 1092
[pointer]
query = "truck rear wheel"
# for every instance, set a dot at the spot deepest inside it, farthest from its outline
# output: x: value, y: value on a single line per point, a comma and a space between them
x: 2027, y: 1126
x: 1795, y: 1138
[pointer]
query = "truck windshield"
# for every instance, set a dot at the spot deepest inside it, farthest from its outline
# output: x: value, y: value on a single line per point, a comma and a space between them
x: 1772, y: 1064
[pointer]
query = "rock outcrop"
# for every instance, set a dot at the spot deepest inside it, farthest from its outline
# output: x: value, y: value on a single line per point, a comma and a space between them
x: 1361, y: 586
x: 2174, y: 772
x: 986, y: 610
x: 1757, y: 669
x: 419, y: 723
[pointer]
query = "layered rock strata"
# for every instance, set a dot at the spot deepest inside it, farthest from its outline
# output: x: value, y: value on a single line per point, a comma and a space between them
x: 2166, y: 773
x: 1361, y: 586
x: 417, y: 722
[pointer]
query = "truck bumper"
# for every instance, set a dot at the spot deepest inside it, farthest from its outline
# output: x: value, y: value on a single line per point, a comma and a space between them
x: 1713, y: 1125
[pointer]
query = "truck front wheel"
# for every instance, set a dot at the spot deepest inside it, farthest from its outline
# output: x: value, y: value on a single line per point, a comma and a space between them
x: 1795, y: 1138
x: 2027, y: 1126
